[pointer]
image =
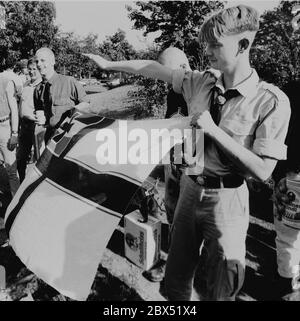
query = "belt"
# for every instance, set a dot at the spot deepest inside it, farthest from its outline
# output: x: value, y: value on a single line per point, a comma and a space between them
x: 218, y: 182
x: 3, y: 119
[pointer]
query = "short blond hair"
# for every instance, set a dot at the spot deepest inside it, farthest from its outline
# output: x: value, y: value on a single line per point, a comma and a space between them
x: 229, y: 21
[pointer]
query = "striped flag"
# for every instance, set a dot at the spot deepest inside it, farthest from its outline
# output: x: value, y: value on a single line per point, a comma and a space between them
x: 67, y: 208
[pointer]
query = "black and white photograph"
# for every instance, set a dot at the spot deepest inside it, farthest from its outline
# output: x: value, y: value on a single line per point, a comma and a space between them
x: 148, y: 152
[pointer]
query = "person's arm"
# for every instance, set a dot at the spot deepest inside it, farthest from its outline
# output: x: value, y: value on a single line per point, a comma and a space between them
x: 79, y: 96
x: 251, y: 164
x: 12, y: 103
x: 268, y: 146
x: 14, y: 115
x: 18, y: 87
x: 146, y: 68
x: 26, y: 104
x: 83, y: 107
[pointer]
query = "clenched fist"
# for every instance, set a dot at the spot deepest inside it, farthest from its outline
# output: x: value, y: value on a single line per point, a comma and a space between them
x: 12, y: 142
x: 204, y: 121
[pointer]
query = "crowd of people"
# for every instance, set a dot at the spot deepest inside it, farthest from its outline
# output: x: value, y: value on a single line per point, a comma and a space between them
x: 35, y: 99
x: 245, y: 122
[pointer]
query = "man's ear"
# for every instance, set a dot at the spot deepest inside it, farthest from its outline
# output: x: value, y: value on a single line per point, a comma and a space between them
x: 243, y: 44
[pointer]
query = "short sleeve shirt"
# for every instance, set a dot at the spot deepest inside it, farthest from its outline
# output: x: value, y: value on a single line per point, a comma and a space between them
x: 16, y: 80
x: 65, y: 92
x: 257, y: 119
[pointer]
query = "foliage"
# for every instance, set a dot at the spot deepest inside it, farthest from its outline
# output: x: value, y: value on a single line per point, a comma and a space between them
x: 275, y: 53
x: 29, y: 26
x: 179, y: 23
x: 150, y: 98
x: 117, y: 47
x: 68, y: 49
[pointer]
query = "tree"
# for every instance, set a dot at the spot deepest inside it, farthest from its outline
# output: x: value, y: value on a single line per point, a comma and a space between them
x: 275, y: 53
x: 179, y: 23
x: 68, y: 49
x: 150, y: 97
x: 29, y: 26
x: 65, y: 48
x: 117, y: 47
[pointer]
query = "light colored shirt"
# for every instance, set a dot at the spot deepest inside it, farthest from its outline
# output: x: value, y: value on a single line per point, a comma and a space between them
x: 26, y: 103
x: 257, y: 119
x: 9, y: 74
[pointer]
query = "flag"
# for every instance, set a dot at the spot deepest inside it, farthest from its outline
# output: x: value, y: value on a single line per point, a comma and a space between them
x: 70, y: 203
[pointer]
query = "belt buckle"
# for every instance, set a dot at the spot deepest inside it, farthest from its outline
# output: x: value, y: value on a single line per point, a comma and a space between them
x: 201, y: 179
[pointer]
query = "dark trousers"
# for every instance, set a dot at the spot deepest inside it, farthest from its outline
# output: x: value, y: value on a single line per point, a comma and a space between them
x: 30, y: 135
x: 26, y: 139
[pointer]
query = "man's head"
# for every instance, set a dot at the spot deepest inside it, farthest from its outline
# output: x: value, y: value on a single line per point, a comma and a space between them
x: 229, y: 35
x: 33, y: 70
x: 174, y: 58
x: 45, y: 61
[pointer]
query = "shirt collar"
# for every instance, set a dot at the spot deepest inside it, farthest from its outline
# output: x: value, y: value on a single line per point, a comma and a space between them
x: 51, y: 80
x: 35, y: 83
x: 246, y: 88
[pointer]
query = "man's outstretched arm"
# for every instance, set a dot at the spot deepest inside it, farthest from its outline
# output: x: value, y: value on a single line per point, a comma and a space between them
x: 146, y: 68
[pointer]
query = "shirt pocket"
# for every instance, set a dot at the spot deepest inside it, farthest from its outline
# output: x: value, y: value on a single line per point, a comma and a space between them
x: 241, y: 130
x: 60, y: 105
x: 61, y: 101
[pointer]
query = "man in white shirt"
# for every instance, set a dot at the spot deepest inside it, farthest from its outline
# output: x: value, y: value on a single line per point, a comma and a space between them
x: 28, y: 119
x: 244, y: 121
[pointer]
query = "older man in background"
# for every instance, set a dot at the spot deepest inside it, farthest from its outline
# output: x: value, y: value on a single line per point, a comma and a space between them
x: 57, y: 95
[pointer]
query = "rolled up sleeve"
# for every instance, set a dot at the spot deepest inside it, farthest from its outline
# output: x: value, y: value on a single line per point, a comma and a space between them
x: 271, y: 132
